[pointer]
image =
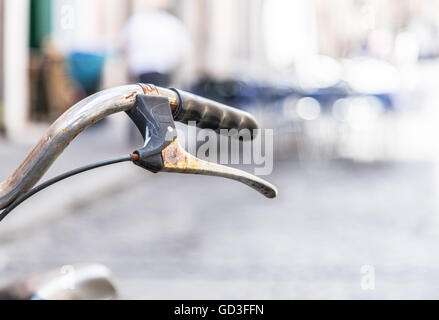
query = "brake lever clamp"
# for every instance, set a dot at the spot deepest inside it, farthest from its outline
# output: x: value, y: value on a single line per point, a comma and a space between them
x: 162, y: 152
x: 152, y: 116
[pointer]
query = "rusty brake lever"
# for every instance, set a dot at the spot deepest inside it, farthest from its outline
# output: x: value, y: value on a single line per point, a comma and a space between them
x: 162, y: 152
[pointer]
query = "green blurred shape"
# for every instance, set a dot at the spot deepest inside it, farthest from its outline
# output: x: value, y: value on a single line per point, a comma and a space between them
x: 40, y: 21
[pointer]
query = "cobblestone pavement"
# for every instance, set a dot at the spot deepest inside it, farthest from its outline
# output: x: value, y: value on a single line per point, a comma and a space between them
x: 174, y: 236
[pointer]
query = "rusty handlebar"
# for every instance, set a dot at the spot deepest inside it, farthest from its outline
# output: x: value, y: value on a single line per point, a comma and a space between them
x: 185, y: 107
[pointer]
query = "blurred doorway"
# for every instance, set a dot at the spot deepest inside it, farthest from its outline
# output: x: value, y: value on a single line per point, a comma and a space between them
x: 39, y: 31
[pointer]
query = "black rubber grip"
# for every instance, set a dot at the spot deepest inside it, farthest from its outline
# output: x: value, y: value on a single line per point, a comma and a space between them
x: 211, y: 114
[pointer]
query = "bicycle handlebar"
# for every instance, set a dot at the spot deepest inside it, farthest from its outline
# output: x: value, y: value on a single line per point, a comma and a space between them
x: 184, y: 106
x: 208, y: 114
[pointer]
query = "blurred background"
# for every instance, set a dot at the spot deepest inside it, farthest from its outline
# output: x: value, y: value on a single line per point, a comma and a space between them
x: 349, y: 88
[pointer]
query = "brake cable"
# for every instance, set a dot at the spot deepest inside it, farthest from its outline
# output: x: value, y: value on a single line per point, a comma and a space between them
x: 68, y: 174
x: 161, y: 152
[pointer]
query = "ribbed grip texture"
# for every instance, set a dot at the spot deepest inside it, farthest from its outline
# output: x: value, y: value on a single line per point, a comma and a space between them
x: 211, y: 114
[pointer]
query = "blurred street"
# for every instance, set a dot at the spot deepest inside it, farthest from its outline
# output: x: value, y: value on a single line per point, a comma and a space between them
x: 172, y: 236
x: 347, y: 89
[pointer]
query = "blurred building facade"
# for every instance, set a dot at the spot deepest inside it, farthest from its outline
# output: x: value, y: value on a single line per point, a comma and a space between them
x: 229, y: 37
x: 97, y: 25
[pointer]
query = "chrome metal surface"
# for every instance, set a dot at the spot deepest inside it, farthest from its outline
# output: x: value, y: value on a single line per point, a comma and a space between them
x: 208, y: 113
x: 61, y: 133
x: 71, y: 282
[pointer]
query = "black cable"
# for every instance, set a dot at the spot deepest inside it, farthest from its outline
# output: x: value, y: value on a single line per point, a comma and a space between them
x: 56, y: 179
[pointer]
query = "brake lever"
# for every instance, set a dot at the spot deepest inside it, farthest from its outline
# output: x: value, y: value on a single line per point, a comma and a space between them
x: 162, y: 152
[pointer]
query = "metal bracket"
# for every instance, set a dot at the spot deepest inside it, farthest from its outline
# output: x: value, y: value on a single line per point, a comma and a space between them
x: 152, y: 116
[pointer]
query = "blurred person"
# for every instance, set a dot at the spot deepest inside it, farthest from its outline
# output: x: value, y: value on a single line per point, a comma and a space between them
x: 156, y: 43
x: 86, y: 68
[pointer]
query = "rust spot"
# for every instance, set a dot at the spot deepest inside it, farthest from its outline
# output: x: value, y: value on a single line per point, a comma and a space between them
x: 149, y: 89
x: 93, y: 120
x: 174, y: 156
x: 76, y: 134
x: 176, y: 159
x: 131, y: 95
